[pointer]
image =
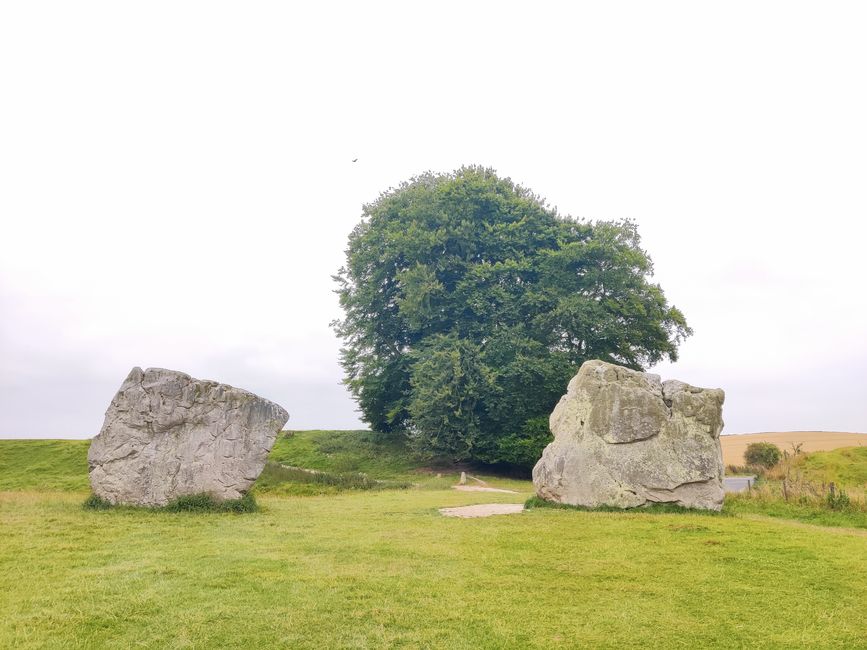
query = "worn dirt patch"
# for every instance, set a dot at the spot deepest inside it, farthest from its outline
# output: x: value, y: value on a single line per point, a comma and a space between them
x: 483, y: 510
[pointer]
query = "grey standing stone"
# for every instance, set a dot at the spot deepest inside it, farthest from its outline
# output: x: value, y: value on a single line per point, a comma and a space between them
x: 168, y: 435
x: 623, y: 438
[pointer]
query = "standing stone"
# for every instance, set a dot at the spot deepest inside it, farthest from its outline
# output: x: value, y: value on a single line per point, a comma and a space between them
x: 623, y: 438
x: 168, y: 435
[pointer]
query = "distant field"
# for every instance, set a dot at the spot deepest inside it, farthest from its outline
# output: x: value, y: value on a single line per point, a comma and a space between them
x: 734, y: 446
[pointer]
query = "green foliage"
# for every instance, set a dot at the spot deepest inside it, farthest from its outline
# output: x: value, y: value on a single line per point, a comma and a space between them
x: 44, y: 465
x: 524, y: 448
x: 188, y: 503
x: 838, y: 500
x: 94, y: 502
x: 469, y: 303
x: 448, y: 382
x: 762, y: 454
x: 207, y: 503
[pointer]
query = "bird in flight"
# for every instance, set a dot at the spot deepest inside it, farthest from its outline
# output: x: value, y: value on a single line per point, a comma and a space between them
x: 355, y: 160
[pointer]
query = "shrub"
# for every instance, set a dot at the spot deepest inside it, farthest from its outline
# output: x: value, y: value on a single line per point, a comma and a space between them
x: 188, y: 503
x: 762, y: 454
x: 838, y: 500
x: 206, y: 503
x: 94, y: 502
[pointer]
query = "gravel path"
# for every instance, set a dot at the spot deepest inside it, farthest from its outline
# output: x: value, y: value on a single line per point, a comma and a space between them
x: 483, y: 510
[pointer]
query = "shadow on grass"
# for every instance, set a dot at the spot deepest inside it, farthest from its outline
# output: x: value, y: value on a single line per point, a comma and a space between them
x: 188, y: 503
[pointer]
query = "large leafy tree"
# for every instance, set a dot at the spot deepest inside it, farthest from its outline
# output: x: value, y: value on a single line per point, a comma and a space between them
x: 469, y: 303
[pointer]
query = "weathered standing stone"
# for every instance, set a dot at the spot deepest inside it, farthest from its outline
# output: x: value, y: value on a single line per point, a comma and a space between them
x: 623, y: 438
x: 168, y: 435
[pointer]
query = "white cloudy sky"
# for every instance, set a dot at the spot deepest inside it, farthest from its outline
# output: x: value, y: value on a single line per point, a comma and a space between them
x: 176, y: 184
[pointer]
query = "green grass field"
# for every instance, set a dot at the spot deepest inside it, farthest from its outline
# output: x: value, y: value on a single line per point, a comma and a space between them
x: 373, y: 568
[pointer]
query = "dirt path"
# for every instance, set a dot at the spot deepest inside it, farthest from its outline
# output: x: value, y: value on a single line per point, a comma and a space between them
x: 480, y: 488
x: 483, y: 510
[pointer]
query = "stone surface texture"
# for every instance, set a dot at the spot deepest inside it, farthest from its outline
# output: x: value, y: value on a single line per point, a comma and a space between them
x: 168, y: 435
x: 624, y: 438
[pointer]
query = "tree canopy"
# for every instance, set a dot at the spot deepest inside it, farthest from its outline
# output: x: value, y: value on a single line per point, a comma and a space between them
x: 469, y: 304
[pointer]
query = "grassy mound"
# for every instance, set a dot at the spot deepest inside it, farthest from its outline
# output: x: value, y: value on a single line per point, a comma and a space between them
x: 282, y: 479
x: 350, y: 460
x: 846, y: 466
x: 328, y: 462
x: 341, y: 452
x: 44, y: 465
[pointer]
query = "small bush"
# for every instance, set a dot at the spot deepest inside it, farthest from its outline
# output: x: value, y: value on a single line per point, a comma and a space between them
x: 838, y: 500
x: 207, y: 503
x: 93, y: 502
x: 762, y: 454
x: 188, y: 503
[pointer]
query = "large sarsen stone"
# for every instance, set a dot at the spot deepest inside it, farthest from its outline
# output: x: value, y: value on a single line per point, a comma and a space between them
x: 623, y: 438
x: 168, y: 435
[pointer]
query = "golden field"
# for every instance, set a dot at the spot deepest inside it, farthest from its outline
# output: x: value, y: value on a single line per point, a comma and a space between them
x: 734, y: 445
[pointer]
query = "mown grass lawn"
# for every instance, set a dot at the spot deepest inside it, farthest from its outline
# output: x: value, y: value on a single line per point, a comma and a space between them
x: 384, y: 569
x: 324, y: 566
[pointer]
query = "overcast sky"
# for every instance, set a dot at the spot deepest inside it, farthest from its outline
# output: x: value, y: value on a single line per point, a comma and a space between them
x: 177, y: 184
